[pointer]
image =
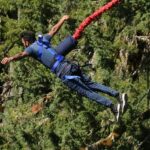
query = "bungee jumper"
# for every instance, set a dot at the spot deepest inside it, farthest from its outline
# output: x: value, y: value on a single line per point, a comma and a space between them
x: 69, y: 73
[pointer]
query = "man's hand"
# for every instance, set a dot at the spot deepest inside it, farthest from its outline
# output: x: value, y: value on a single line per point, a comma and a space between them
x: 58, y: 25
x: 6, y: 60
x: 65, y: 17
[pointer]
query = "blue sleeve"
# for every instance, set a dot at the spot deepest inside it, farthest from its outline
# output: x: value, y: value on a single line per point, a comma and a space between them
x: 29, y: 50
x: 68, y: 44
x: 47, y: 38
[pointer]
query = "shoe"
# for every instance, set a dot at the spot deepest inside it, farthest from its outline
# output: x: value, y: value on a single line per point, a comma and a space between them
x: 116, y: 110
x: 123, y: 98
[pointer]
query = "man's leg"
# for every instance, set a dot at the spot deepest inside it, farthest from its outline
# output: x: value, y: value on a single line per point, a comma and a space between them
x: 78, y: 86
x: 81, y: 88
x: 102, y: 88
x: 121, y: 97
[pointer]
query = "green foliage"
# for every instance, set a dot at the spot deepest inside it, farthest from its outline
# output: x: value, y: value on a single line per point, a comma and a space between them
x: 69, y: 121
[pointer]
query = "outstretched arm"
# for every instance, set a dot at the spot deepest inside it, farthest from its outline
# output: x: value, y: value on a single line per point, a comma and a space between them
x: 18, y: 56
x: 58, y: 25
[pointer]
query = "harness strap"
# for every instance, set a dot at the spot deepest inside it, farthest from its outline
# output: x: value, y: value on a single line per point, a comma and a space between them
x: 70, y: 77
x: 58, y: 58
x: 40, y: 47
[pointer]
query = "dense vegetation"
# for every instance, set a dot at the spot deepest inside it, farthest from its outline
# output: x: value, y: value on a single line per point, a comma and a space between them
x: 39, y: 111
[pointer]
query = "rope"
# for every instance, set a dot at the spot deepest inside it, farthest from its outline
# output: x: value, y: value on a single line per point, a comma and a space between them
x: 93, y: 17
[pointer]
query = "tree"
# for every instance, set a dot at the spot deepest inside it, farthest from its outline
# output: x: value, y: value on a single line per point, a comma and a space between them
x: 66, y: 120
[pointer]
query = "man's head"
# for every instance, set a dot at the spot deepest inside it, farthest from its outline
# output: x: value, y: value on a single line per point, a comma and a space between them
x: 27, y: 38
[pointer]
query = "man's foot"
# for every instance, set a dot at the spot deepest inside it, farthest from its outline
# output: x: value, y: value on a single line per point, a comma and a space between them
x: 116, y: 110
x: 123, y: 98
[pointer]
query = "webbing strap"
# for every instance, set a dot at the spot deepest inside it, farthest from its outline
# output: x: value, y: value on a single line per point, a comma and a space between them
x: 40, y: 47
x: 58, y: 58
x: 69, y: 77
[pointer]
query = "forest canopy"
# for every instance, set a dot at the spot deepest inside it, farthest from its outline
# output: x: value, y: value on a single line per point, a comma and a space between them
x: 38, y: 112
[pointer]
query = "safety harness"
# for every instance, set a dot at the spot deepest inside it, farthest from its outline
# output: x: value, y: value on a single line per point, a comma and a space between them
x: 45, y: 44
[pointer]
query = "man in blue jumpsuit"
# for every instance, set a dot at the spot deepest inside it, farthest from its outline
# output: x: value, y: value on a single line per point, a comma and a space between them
x: 69, y: 73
